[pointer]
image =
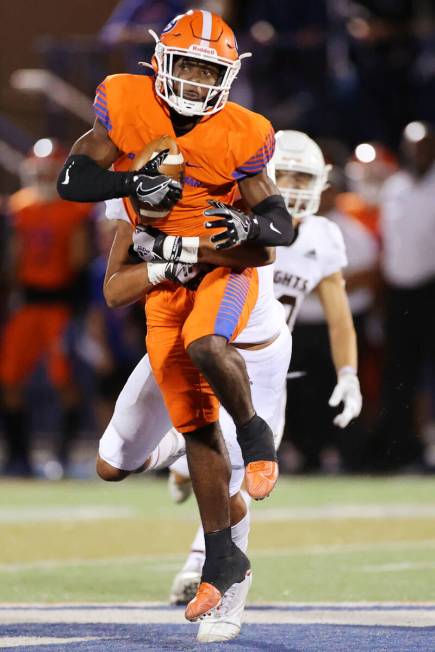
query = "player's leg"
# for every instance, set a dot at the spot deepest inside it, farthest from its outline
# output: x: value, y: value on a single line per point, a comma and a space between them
x: 223, y: 303
x: 139, y: 422
x: 224, y: 564
x: 20, y: 351
x: 194, y: 412
x: 179, y: 483
x: 60, y: 373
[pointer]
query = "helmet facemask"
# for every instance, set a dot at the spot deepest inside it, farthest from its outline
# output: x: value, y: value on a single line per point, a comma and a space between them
x: 301, y: 189
x: 166, y: 81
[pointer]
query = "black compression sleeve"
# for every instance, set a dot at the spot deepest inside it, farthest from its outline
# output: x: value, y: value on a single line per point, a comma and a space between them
x: 273, y: 223
x: 82, y: 179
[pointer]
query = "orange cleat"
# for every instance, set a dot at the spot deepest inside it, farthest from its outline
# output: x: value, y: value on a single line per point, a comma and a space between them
x: 261, y: 478
x: 207, y: 597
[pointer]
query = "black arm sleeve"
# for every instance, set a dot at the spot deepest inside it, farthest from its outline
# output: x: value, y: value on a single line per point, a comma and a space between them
x: 82, y: 179
x: 273, y: 226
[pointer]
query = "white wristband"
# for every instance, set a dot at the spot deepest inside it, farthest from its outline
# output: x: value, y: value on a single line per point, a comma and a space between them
x: 156, y: 273
x: 346, y: 370
x: 189, y: 249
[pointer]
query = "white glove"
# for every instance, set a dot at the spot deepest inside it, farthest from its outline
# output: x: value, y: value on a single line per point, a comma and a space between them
x: 175, y: 272
x: 153, y: 245
x: 346, y: 391
x: 143, y: 243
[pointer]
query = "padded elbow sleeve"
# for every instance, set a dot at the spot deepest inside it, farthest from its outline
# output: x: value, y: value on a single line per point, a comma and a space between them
x: 274, y: 226
x: 83, y: 180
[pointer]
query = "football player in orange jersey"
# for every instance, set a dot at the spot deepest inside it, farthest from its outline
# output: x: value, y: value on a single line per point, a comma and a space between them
x: 49, y: 249
x: 226, y: 149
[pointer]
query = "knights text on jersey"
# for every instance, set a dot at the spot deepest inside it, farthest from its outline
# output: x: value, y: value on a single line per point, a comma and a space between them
x: 218, y: 152
x: 317, y: 252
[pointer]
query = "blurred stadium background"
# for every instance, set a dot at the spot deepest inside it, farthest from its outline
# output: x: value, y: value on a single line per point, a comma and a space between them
x: 354, y: 520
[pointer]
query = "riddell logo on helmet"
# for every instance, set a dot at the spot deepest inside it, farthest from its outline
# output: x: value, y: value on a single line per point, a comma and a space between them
x: 211, y: 52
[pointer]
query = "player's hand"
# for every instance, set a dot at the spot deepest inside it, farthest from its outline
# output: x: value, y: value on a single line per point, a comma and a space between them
x: 347, y: 391
x: 238, y: 226
x: 181, y: 273
x: 156, y: 191
x: 148, y: 243
x: 151, y: 167
x: 172, y: 271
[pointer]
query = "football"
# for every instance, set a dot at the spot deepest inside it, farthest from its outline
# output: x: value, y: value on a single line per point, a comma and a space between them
x: 172, y: 166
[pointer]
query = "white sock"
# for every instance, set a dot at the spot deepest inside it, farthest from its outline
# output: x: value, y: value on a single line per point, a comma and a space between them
x: 170, y: 448
x: 246, y: 497
x: 240, y: 532
x: 180, y: 467
x: 196, y: 556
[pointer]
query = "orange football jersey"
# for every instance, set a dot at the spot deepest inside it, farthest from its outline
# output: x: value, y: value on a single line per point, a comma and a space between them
x: 43, y: 231
x: 219, y: 151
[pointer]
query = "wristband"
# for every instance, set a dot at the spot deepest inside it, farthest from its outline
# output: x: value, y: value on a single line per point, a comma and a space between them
x: 156, y: 273
x: 348, y: 369
x: 188, y: 253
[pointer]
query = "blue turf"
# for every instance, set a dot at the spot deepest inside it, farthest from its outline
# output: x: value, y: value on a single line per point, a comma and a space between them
x: 273, y: 638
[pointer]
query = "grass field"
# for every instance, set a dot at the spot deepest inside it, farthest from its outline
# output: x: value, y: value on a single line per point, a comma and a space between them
x: 315, y: 539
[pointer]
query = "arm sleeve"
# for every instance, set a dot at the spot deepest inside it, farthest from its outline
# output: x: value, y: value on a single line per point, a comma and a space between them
x: 273, y: 225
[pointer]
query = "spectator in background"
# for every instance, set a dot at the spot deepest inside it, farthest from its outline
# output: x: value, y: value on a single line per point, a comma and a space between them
x: 408, y: 265
x: 48, y: 251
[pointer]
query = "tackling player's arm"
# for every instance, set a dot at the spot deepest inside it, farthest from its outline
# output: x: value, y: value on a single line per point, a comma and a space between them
x: 85, y: 177
x: 342, y: 337
x: 333, y: 297
x: 125, y: 282
x: 269, y: 224
x: 150, y: 244
x: 127, y: 278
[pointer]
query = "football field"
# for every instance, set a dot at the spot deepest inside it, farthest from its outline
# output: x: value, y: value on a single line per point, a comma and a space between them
x: 338, y: 564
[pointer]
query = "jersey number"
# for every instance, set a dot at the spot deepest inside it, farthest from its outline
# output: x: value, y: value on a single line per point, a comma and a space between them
x: 289, y: 301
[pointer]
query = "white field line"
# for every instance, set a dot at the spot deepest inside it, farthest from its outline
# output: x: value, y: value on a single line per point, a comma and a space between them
x: 398, y: 567
x: 326, y: 512
x: 170, y: 561
x: 68, y: 514
x: 401, y: 618
x: 18, y: 641
x: 343, y: 512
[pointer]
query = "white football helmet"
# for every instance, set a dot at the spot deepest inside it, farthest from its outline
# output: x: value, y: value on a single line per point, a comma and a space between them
x: 297, y: 152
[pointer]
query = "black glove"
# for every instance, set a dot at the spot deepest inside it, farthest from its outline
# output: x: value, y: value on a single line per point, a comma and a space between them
x: 239, y: 227
x: 151, y: 169
x: 159, y: 191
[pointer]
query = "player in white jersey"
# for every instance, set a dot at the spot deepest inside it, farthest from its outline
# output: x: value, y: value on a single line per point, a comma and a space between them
x: 140, y: 414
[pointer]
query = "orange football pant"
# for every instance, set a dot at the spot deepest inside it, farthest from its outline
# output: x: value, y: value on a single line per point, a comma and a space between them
x: 176, y: 317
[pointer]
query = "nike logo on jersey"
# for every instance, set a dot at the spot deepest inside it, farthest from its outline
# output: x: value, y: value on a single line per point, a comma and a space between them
x: 65, y: 182
x: 274, y: 228
x: 192, y: 165
x: 311, y: 254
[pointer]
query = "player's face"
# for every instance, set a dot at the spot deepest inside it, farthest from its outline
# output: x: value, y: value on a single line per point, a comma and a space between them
x: 288, y: 182
x: 197, y: 72
x: 293, y: 180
